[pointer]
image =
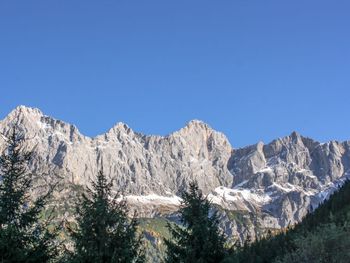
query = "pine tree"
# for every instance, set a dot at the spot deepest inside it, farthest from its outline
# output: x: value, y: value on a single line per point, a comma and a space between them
x: 24, y: 237
x: 199, y: 238
x: 104, y: 233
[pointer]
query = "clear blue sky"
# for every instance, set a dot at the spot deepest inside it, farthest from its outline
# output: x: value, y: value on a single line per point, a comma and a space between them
x: 255, y: 70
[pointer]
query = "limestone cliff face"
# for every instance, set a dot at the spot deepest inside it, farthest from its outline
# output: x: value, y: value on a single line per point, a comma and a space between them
x: 278, y: 182
x: 297, y: 173
x: 140, y: 164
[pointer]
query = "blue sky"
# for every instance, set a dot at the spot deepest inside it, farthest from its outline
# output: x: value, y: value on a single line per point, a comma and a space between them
x: 255, y: 70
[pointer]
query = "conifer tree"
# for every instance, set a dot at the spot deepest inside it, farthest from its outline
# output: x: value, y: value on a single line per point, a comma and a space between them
x: 199, y: 239
x: 104, y: 233
x: 24, y: 237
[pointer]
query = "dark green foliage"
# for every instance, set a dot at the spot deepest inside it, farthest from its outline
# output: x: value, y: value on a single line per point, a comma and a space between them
x: 322, y: 236
x: 199, y: 240
x: 23, y: 236
x: 104, y: 234
x: 327, y: 244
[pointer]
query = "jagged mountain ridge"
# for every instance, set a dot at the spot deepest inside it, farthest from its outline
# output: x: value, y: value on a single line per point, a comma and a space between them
x: 137, y: 161
x: 279, y: 181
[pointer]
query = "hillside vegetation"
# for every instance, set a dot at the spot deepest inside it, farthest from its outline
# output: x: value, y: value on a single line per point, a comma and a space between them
x: 322, y: 236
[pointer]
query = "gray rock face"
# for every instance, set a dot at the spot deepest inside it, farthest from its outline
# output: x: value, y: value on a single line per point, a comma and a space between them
x: 140, y: 164
x: 278, y: 182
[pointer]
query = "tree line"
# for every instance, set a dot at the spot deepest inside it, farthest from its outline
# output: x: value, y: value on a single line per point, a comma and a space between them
x: 103, y: 232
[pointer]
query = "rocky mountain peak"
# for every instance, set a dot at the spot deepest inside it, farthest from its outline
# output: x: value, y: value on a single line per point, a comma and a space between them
x: 23, y: 112
x: 39, y: 127
x: 197, y: 124
x: 295, y: 137
x: 120, y: 127
x: 195, y: 128
x: 25, y: 118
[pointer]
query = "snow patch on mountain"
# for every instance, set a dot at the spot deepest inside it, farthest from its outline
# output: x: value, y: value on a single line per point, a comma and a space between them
x: 154, y: 199
x: 223, y: 195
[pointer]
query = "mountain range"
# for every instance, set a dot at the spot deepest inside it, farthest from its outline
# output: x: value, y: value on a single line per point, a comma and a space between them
x: 255, y: 188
